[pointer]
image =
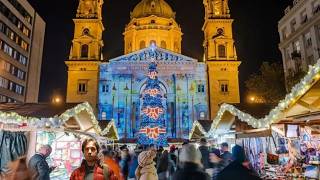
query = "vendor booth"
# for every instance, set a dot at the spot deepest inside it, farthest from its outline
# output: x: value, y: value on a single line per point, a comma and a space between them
x: 283, y: 144
x: 25, y: 127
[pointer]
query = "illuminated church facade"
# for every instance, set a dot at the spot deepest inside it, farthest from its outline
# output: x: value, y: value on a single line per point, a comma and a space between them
x: 190, y: 90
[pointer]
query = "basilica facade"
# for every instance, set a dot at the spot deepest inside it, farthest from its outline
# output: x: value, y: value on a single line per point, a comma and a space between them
x: 190, y: 90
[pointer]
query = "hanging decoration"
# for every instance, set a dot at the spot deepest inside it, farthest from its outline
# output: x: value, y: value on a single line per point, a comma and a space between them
x: 52, y: 122
x: 152, y: 126
x: 153, y: 133
x: 297, y: 91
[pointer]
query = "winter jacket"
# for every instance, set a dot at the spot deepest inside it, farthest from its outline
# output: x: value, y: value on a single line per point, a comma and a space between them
x: 205, y: 156
x: 236, y: 170
x: 39, y: 167
x: 190, y: 171
x: 98, y: 173
x: 114, y: 166
x: 217, y: 168
x: 149, y: 172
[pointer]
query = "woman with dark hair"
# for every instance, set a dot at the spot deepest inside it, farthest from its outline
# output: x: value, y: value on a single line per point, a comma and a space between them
x: 162, y: 167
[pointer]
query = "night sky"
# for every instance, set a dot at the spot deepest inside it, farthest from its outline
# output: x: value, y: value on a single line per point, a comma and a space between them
x: 255, y: 30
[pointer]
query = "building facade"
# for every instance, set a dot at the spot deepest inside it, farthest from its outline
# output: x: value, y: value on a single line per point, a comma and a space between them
x: 85, y: 54
x: 220, y: 55
x: 299, y: 31
x: 22, y: 33
x: 117, y: 86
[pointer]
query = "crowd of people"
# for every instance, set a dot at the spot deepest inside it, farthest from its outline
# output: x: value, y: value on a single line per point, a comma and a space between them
x: 144, y: 163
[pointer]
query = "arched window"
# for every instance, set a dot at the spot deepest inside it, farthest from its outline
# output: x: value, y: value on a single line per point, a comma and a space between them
x: 163, y: 44
x: 84, y: 50
x: 153, y: 42
x: 85, y: 31
x: 142, y: 44
x: 222, y: 51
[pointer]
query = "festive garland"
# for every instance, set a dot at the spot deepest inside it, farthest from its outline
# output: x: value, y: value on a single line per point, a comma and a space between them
x: 107, y: 129
x: 194, y: 125
x: 53, y: 122
x: 298, y: 90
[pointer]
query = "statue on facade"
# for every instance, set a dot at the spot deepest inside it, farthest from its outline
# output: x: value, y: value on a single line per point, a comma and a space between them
x: 87, y: 9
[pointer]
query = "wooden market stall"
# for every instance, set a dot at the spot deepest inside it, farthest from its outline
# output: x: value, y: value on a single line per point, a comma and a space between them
x: 63, y: 126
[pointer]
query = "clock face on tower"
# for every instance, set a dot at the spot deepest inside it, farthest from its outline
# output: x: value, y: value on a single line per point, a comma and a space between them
x: 220, y: 31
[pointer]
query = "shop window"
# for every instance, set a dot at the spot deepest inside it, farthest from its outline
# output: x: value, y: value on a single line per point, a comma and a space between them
x: 84, y: 51
x: 222, y: 51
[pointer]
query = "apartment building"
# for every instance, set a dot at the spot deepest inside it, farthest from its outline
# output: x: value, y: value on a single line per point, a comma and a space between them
x: 299, y: 31
x: 22, y: 33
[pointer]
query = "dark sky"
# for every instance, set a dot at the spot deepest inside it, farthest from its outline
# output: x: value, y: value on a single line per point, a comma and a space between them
x: 255, y: 31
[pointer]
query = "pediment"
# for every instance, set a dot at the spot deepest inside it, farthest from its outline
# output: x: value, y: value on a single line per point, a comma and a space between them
x: 153, y: 53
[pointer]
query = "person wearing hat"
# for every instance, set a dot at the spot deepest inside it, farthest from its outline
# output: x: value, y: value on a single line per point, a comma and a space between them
x: 218, y: 164
x: 134, y: 162
x: 191, y: 167
x: 146, y: 169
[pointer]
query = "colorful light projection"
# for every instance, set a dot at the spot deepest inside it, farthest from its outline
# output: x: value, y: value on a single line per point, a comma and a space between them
x: 152, y: 127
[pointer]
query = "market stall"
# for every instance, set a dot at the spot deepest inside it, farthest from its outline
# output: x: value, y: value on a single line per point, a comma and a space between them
x: 294, y: 132
x: 25, y: 127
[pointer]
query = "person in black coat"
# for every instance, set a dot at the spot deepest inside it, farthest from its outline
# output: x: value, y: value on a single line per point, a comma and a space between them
x: 236, y: 169
x: 191, y: 168
x: 204, y: 149
x: 38, y: 165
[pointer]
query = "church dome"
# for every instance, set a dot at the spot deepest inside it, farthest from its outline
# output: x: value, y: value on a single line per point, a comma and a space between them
x: 152, y: 7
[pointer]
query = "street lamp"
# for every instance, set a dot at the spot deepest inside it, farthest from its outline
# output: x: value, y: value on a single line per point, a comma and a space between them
x: 252, y: 99
x: 56, y: 100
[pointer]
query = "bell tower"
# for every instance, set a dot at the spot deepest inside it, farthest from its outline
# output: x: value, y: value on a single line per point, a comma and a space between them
x: 85, y: 53
x: 220, y: 55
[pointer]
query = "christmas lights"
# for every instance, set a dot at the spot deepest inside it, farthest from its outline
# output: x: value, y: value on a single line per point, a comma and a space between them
x: 108, y: 128
x: 152, y: 126
x: 297, y: 91
x: 195, y: 125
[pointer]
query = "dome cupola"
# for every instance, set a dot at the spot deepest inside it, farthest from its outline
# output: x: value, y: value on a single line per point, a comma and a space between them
x: 152, y: 7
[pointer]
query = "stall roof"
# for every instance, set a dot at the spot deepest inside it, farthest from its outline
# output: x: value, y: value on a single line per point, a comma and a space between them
x: 310, y: 84
x: 108, y: 129
x: 38, y: 110
x: 200, y: 128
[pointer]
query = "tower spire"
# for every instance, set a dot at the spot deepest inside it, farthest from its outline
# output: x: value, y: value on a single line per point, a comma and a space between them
x: 86, y: 53
x: 216, y: 9
x: 220, y: 55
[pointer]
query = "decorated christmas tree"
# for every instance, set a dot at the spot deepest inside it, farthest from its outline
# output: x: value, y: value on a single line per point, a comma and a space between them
x: 152, y: 126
